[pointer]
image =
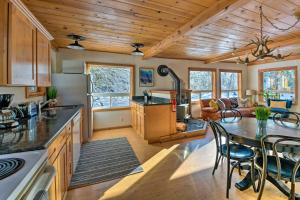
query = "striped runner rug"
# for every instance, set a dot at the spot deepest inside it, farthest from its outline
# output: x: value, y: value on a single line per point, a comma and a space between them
x: 105, y: 160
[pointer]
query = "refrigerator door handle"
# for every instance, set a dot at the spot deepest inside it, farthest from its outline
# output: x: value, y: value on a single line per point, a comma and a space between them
x: 90, y: 84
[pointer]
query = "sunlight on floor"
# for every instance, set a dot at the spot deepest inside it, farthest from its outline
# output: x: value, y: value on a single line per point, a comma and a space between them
x: 122, y: 186
x: 188, y: 166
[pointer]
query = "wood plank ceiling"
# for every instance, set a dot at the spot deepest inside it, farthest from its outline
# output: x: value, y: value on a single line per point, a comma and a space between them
x: 112, y: 25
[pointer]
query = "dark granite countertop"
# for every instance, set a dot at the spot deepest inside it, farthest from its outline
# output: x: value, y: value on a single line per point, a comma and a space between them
x: 36, y: 133
x: 153, y: 101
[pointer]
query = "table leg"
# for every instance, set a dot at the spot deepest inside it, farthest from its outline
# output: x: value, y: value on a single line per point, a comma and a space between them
x: 245, y: 183
x: 281, y: 186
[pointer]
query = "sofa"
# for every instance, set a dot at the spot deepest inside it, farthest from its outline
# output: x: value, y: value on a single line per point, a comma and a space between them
x: 210, y: 113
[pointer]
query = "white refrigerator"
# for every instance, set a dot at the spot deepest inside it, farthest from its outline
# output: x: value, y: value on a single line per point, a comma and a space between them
x: 76, y: 89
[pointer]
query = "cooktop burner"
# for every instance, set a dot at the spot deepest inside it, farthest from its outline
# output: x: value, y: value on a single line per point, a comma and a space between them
x: 10, y: 166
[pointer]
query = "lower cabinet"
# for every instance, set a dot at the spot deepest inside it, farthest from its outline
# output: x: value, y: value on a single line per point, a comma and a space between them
x: 69, y: 169
x: 153, y: 122
x: 60, y: 156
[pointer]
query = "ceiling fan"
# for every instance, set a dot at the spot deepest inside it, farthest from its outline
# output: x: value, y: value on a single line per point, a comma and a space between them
x: 76, y: 44
x: 137, y: 52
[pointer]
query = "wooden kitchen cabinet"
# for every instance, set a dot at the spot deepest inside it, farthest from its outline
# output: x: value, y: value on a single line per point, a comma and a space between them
x: 43, y: 64
x: 24, y: 47
x: 21, y: 49
x: 62, y: 170
x: 153, y: 122
x: 60, y: 155
x: 69, y: 159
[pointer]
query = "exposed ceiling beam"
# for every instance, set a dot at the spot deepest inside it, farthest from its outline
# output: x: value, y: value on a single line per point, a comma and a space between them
x: 210, y: 15
x: 246, y: 50
x: 292, y: 57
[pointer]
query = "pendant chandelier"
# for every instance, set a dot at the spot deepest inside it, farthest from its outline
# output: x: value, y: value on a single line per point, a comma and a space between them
x: 261, y: 43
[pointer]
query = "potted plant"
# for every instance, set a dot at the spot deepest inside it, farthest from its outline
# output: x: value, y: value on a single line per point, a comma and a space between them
x: 51, y: 95
x: 262, y: 115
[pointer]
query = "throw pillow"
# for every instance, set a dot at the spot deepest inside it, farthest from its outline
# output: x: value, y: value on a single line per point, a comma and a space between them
x: 214, y: 104
x: 243, y: 102
x: 278, y: 104
x: 234, y: 102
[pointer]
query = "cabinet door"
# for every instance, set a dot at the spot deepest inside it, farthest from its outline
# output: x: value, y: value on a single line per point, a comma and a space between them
x: 62, y: 162
x: 43, y: 61
x: 69, y: 159
x: 21, y: 49
x: 58, y: 194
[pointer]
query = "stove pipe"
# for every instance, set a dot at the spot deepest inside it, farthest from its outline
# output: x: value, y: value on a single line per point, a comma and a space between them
x: 164, y: 70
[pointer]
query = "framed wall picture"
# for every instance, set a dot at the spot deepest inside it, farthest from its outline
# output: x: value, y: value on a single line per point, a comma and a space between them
x: 146, y: 77
x: 35, y: 91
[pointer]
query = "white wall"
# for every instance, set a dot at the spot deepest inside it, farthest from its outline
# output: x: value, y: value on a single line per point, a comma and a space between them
x: 19, y: 93
x: 253, y: 75
x: 179, y: 66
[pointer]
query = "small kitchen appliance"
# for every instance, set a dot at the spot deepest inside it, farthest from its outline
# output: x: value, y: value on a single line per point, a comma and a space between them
x: 7, y: 115
x: 30, y: 109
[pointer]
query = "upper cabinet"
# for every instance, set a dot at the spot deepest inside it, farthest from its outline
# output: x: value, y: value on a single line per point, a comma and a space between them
x: 21, y: 49
x: 43, y: 67
x: 24, y: 47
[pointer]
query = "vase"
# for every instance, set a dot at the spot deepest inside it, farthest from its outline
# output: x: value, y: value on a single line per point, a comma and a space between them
x: 261, y: 127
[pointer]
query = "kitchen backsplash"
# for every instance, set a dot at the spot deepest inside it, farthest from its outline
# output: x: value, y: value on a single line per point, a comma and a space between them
x: 19, y: 93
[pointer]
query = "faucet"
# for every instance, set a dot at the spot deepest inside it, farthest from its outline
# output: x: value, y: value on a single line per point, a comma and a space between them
x: 42, y: 104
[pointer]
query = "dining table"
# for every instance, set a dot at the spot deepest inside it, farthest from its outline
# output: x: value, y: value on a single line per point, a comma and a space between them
x: 244, y: 131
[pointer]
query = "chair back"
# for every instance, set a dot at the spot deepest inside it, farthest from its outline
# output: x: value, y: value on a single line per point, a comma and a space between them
x: 219, y: 132
x: 288, y: 119
x: 281, y: 144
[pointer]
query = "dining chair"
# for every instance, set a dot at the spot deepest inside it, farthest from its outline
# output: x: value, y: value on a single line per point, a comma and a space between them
x: 276, y: 165
x: 232, y: 151
x: 290, y: 117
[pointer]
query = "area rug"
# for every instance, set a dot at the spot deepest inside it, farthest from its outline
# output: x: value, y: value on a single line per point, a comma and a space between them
x: 105, y: 160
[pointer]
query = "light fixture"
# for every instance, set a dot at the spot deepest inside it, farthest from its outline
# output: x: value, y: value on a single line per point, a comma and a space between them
x: 137, y: 52
x: 262, y: 50
x: 76, y: 44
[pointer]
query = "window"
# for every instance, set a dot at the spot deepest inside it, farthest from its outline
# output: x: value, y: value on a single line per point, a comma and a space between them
x: 112, y: 85
x: 230, y: 81
x: 279, y: 83
x: 202, y: 83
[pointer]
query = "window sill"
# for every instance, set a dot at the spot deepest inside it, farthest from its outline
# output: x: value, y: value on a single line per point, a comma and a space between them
x: 110, y: 109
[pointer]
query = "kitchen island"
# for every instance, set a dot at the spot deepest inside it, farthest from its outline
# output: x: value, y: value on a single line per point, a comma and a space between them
x: 152, y: 119
x: 155, y: 120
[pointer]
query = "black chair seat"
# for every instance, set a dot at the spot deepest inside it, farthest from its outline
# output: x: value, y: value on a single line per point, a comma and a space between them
x: 286, y: 167
x: 238, y: 151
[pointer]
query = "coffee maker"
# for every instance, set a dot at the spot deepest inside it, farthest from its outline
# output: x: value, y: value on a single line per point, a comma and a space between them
x: 8, y: 116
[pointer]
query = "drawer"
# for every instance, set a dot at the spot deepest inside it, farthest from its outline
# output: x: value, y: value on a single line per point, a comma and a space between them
x: 56, y: 145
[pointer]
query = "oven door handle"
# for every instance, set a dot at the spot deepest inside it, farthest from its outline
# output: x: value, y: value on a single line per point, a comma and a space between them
x: 50, y: 172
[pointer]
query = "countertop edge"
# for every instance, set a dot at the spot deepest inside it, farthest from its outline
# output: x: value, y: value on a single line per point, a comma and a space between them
x: 50, y: 141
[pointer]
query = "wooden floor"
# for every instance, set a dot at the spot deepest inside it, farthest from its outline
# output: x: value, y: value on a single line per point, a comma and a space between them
x: 178, y: 170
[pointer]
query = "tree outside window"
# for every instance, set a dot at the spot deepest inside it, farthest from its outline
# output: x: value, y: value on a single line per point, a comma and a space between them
x: 111, y: 86
x: 202, y: 83
x: 230, y: 84
x: 279, y: 83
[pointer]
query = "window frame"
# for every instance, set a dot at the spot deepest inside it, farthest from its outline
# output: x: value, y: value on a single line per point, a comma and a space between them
x: 240, y: 83
x: 89, y: 65
x: 261, y: 76
x: 214, y: 81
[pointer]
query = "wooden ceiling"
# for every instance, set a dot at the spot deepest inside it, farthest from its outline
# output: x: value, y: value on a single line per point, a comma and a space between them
x: 188, y: 29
